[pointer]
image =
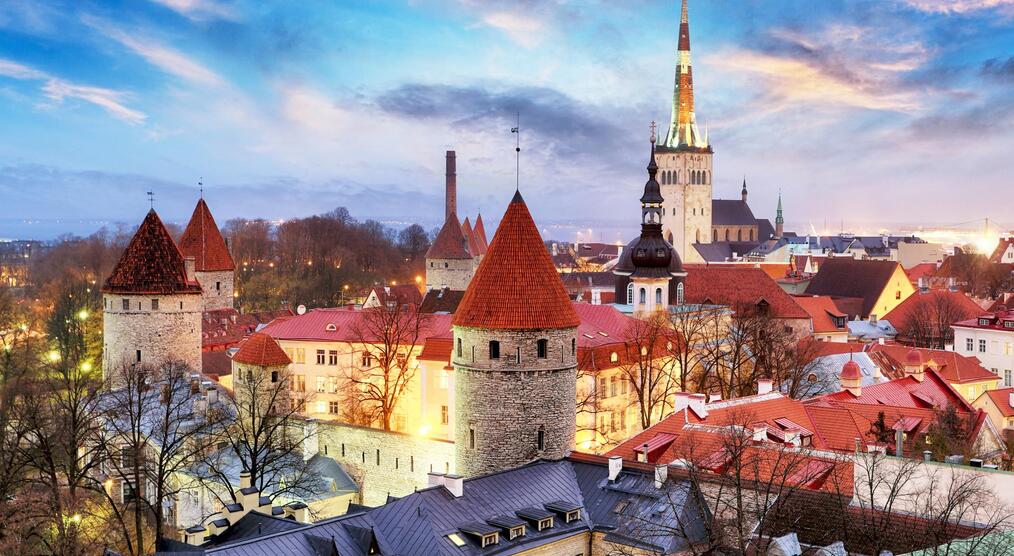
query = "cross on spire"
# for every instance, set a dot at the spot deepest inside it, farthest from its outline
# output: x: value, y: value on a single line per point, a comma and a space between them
x: 151, y: 199
x: 200, y: 184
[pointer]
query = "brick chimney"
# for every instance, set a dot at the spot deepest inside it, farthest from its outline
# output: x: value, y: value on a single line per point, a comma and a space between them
x: 451, y: 186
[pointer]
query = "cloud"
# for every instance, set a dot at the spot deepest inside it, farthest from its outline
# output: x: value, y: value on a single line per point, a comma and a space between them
x: 167, y: 59
x: 999, y: 69
x: 526, y: 30
x: 200, y: 10
x: 57, y: 90
x: 958, y: 6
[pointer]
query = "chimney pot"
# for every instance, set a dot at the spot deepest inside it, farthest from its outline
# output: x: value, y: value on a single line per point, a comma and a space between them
x: 764, y: 385
x: 455, y: 484
x: 450, y: 185
x: 615, y: 466
x: 434, y: 479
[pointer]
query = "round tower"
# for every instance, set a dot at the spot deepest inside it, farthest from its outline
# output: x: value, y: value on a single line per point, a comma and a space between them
x: 449, y: 263
x: 151, y: 304
x: 514, y: 355
x: 215, y: 269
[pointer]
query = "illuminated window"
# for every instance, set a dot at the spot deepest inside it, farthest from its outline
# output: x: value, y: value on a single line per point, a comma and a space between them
x: 456, y: 539
x: 613, y: 357
x: 516, y: 532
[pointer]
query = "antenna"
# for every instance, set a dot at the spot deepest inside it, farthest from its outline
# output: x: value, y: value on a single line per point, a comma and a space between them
x: 151, y: 199
x: 517, y: 152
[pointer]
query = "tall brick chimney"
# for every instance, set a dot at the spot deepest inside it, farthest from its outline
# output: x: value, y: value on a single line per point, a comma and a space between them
x: 451, y: 184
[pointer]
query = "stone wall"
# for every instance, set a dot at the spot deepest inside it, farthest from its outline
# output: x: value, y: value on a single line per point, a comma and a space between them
x: 687, y: 207
x: 502, y: 406
x: 449, y: 273
x: 217, y: 289
x: 404, y: 459
x: 172, y: 331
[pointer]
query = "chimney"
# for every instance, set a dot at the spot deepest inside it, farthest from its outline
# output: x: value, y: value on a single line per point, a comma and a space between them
x: 450, y: 186
x: 212, y: 396
x: 434, y: 479
x: 661, y: 474
x: 615, y: 466
x: 760, y: 432
x: 927, y: 455
x: 714, y: 397
x: 455, y: 484
x: 899, y: 439
x: 191, y: 265
x: 764, y: 385
x: 244, y: 479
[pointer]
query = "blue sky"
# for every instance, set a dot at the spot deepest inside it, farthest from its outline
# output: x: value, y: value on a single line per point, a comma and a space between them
x: 875, y: 112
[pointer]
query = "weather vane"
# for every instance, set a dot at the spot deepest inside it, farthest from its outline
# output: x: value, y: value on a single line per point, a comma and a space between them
x: 200, y: 184
x: 151, y: 199
x: 517, y: 152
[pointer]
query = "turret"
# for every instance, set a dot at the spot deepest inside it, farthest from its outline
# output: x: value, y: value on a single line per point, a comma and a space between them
x: 214, y: 267
x: 851, y: 378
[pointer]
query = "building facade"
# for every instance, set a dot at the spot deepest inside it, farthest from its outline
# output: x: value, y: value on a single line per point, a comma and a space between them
x: 990, y: 338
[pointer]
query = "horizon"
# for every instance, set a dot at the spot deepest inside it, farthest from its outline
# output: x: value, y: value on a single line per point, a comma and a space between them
x: 288, y: 111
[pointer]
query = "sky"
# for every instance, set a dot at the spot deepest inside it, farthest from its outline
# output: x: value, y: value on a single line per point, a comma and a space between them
x: 878, y: 114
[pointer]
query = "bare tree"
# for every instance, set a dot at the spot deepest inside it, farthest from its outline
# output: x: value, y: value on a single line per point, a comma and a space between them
x: 694, y: 325
x: 928, y: 324
x: 388, y: 335
x: 649, y: 367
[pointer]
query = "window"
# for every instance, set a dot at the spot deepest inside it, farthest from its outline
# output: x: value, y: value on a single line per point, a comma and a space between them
x: 444, y: 415
x: 154, y: 304
x: 572, y: 516
x: 320, y: 384
x: 540, y: 439
x: 366, y: 359
x: 658, y: 296
x: 274, y: 376
x: 494, y: 349
x: 218, y: 286
x: 471, y: 438
x: 542, y: 348
x: 643, y: 296
x: 300, y: 356
x: 138, y: 356
x: 456, y: 539
x: 516, y: 532
x: 488, y: 540
x: 445, y: 379
x: 897, y: 294
x: 1006, y: 377
x: 332, y: 357
x: 603, y: 390
x: 613, y: 357
x: 969, y: 344
x: 126, y: 304
x: 679, y: 293
x: 612, y: 386
x: 332, y: 408
x: 630, y: 294
x: 545, y: 523
x: 299, y: 383
x: 982, y: 346
x: 459, y: 347
x: 332, y: 384
x: 573, y: 346
x: 320, y: 357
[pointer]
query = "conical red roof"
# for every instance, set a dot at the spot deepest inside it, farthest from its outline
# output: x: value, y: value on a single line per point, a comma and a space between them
x: 516, y: 286
x: 450, y: 242
x: 261, y: 350
x: 203, y: 241
x: 473, y: 243
x: 151, y: 264
x: 480, y: 234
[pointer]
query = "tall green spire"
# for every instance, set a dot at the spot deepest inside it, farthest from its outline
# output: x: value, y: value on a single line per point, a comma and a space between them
x: 778, y: 214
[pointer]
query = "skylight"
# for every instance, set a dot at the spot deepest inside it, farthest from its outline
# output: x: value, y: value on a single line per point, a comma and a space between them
x: 456, y: 539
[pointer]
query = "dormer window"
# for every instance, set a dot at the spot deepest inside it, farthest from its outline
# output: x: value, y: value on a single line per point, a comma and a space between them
x: 516, y: 532
x: 545, y: 523
x: 983, y: 322
x: 489, y: 540
x: 572, y: 516
x: 331, y: 327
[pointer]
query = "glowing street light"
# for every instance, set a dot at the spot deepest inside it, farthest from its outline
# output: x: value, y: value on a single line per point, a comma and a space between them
x: 53, y: 356
x: 86, y: 366
x: 82, y: 314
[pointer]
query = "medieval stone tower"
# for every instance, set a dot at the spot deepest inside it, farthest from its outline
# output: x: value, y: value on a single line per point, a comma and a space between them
x: 514, y: 355
x: 684, y: 161
x: 151, y: 304
x: 458, y: 248
x: 216, y: 271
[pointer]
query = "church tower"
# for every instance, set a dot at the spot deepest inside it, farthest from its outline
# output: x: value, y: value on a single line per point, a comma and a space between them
x: 514, y: 355
x: 779, y: 219
x: 215, y: 268
x: 684, y: 161
x: 151, y: 304
x: 649, y: 274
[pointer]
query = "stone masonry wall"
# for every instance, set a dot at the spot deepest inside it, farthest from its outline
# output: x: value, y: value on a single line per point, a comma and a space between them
x: 449, y: 273
x: 217, y: 297
x: 687, y: 208
x: 171, y: 331
x: 501, y: 404
x: 404, y: 459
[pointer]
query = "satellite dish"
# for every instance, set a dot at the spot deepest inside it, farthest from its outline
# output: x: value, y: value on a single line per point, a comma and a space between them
x: 301, y: 310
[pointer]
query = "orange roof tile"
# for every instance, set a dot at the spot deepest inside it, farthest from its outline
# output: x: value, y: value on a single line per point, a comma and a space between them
x: 480, y: 232
x: 450, y: 242
x: 739, y: 287
x: 151, y: 263
x: 955, y: 306
x: 952, y: 367
x: 516, y: 285
x: 203, y: 241
x: 261, y: 350
x: 822, y: 309
x: 473, y: 243
x: 1001, y: 398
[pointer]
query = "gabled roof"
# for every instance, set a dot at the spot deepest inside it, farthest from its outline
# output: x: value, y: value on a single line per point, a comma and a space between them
x: 1001, y: 398
x: 444, y: 300
x: 732, y: 212
x: 906, y: 392
x: 203, y: 241
x: 450, y: 242
x: 848, y: 277
x: 151, y: 264
x: 927, y: 307
x: 473, y: 243
x: 739, y: 288
x: 516, y: 286
x: 403, y: 294
x: 480, y: 233
x: 953, y: 367
x: 823, y: 311
x: 261, y: 350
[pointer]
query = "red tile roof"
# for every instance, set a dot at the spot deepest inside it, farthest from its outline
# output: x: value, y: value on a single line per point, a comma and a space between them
x: 223, y: 328
x: 1001, y: 398
x: 403, y: 294
x: 473, y: 243
x: 921, y: 270
x: 450, y: 242
x: 480, y: 234
x: 821, y: 309
x: 203, y: 241
x: 952, y: 367
x: 905, y: 392
x: 1000, y: 320
x: 151, y: 264
x: 738, y: 288
x: 516, y: 286
x: 956, y: 307
x: 436, y: 349
x: 341, y: 325
x: 1001, y: 248
x: 261, y: 350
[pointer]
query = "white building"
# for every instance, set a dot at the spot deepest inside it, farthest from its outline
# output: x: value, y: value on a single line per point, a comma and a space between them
x: 990, y: 338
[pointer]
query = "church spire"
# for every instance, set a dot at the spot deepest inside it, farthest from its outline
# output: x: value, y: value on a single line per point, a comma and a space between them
x: 744, y: 193
x: 779, y: 220
x: 683, y: 124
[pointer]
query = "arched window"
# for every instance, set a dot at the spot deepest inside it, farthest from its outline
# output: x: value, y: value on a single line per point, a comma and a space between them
x: 727, y: 234
x: 494, y: 349
x: 658, y: 296
x: 643, y: 296
x: 679, y: 293
x: 613, y: 357
x: 542, y: 348
x: 630, y: 297
x: 706, y: 177
x: 693, y: 177
x: 698, y: 234
x: 753, y: 233
x: 714, y: 232
x: 739, y: 235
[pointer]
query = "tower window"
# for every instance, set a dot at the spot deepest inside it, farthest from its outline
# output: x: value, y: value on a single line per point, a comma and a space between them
x: 459, y: 347
x: 138, y: 356
x: 679, y: 293
x: 573, y: 346
x: 658, y: 296
x: 643, y: 296
x: 126, y: 304
x: 471, y: 438
x: 541, y: 348
x: 540, y: 438
x: 218, y: 286
x: 154, y: 304
x: 494, y: 349
x: 630, y: 294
